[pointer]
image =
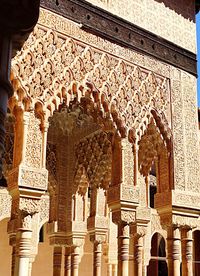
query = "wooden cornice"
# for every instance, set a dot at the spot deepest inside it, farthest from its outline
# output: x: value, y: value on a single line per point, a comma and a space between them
x: 122, y: 32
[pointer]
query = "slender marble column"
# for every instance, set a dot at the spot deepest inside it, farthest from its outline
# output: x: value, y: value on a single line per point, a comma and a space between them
x: 75, y: 261
x: 67, y: 261
x: 23, y: 252
x: 139, y: 256
x: 169, y: 255
x: 187, y: 249
x: 114, y: 269
x: 97, y: 259
x: 30, y: 265
x: 13, y: 260
x: 57, y: 260
x: 174, y: 251
x: 123, y: 250
x: 109, y: 269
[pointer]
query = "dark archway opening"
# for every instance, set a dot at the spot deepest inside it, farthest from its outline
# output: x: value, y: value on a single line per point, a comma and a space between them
x: 157, y: 265
x: 152, y: 186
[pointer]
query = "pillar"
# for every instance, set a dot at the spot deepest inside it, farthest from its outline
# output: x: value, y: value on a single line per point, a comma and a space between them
x: 57, y: 260
x: 13, y: 260
x: 30, y: 265
x: 109, y: 269
x: 75, y: 261
x: 23, y: 239
x: 187, y: 269
x: 174, y: 251
x: 97, y: 263
x: 139, y: 255
x: 67, y: 261
x: 123, y: 250
x: 114, y: 269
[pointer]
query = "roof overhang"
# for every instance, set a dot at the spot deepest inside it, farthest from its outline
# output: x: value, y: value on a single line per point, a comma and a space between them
x: 197, y: 5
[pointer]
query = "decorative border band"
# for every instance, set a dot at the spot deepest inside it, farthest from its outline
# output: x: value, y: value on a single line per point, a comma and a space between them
x: 102, y: 23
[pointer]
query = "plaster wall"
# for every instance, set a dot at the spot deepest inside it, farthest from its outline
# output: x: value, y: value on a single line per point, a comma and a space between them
x: 5, y: 250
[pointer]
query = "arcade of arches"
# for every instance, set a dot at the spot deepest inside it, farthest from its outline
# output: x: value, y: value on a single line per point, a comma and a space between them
x: 101, y: 160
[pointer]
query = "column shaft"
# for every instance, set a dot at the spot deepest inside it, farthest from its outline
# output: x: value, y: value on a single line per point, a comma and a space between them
x: 97, y: 259
x: 67, y: 261
x: 187, y: 249
x: 109, y: 269
x: 23, y: 252
x: 57, y: 260
x: 75, y: 261
x: 123, y: 250
x: 13, y: 260
x: 176, y: 252
x: 139, y: 256
x: 114, y: 269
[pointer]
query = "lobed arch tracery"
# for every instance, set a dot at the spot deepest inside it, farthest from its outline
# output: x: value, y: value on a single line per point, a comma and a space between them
x: 52, y: 69
x: 155, y: 149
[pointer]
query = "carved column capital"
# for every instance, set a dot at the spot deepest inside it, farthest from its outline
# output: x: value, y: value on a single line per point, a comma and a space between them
x: 125, y: 217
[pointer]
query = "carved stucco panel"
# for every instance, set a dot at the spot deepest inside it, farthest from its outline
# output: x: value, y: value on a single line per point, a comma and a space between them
x: 191, y: 132
x: 185, y: 131
x: 178, y: 130
x: 5, y: 204
x: 33, y: 142
x: 60, y: 24
x: 127, y: 164
x: 186, y: 198
x: 33, y: 178
x: 44, y: 209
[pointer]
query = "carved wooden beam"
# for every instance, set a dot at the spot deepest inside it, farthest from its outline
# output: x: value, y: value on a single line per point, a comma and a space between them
x: 122, y: 32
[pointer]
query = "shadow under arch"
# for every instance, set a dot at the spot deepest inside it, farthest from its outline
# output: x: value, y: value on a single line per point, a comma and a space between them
x: 155, y: 150
x: 74, y: 139
x: 158, y: 264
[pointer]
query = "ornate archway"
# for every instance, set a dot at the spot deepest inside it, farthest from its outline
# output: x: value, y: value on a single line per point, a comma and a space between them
x: 59, y: 76
x: 158, y: 264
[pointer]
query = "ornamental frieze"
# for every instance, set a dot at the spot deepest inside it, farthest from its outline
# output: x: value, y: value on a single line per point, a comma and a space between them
x: 33, y: 178
x: 53, y: 68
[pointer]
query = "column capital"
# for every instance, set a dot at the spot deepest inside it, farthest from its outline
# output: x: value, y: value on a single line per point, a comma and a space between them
x: 123, y: 217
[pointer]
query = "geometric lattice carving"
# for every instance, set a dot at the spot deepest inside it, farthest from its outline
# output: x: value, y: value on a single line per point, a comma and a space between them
x: 151, y: 146
x: 94, y: 154
x: 50, y: 68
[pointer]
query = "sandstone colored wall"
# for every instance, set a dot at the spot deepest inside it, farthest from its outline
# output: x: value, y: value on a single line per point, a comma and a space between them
x: 172, y: 20
x: 43, y: 264
x: 5, y: 250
